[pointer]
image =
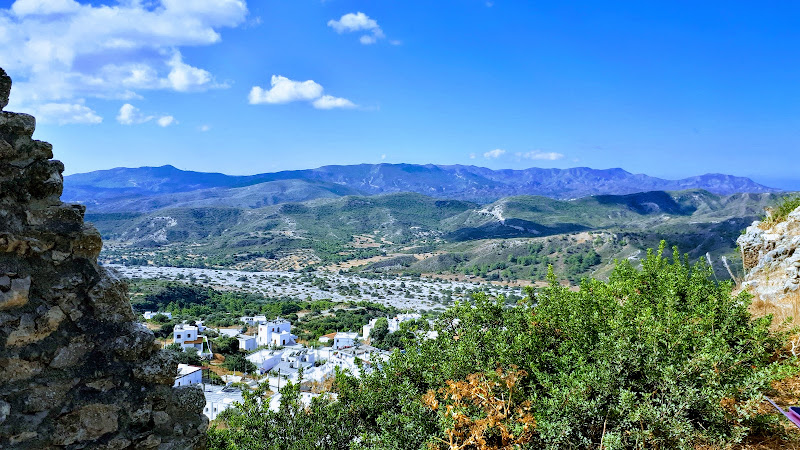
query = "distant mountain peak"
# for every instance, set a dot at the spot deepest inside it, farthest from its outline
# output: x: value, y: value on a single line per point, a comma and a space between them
x: 461, y: 182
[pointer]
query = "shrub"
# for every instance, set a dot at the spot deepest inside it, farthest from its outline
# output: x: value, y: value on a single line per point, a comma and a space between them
x: 657, y: 357
x: 781, y: 211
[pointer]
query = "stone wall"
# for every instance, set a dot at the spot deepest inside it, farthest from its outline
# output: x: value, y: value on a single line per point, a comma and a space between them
x: 771, y: 256
x: 76, y: 369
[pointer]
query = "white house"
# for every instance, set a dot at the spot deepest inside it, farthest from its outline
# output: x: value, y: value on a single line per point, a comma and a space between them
x: 246, y: 343
x: 265, y: 359
x: 219, y: 398
x: 299, y: 357
x: 229, y: 332
x: 344, y: 340
x: 150, y: 314
x: 188, y: 375
x: 253, y: 320
x: 277, y: 332
x: 367, y: 329
x: 188, y: 336
x: 327, y: 338
x: 346, y: 359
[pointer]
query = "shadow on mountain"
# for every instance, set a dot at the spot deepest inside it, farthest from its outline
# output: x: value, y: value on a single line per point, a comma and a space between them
x: 648, y: 203
x: 512, y: 228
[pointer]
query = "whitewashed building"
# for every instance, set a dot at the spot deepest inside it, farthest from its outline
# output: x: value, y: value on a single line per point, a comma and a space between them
x: 344, y: 340
x: 188, y: 336
x: 276, y: 333
x: 246, y: 343
x: 188, y: 375
x: 220, y: 398
x: 253, y: 320
x: 265, y: 359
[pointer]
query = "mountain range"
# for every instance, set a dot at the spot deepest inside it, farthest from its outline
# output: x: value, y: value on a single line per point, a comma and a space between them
x: 150, y: 188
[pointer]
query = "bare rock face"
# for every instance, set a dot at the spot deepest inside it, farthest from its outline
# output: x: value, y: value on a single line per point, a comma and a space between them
x: 771, y: 258
x: 76, y: 370
x: 5, y: 88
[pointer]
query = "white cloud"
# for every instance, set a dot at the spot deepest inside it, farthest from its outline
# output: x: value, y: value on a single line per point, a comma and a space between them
x: 23, y: 8
x: 368, y: 39
x: 204, y: 128
x: 184, y: 77
x: 472, y: 156
x: 494, y: 154
x: 284, y: 90
x: 130, y: 115
x: 547, y: 156
x: 383, y: 156
x: 331, y: 102
x: 353, y: 22
x: 64, y: 52
x: 66, y: 113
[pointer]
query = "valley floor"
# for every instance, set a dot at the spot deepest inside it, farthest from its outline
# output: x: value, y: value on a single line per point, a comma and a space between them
x: 405, y: 293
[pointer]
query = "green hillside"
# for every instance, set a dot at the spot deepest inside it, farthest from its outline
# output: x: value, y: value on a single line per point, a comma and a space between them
x: 513, y: 238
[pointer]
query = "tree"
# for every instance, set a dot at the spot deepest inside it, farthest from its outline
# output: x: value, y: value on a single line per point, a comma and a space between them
x: 239, y: 363
x: 379, y: 331
x: 226, y: 345
x: 160, y: 318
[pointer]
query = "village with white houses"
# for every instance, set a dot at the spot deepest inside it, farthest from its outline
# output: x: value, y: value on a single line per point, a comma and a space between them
x: 277, y: 357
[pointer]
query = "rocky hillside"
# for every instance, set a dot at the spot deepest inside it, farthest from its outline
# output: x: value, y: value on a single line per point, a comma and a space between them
x: 771, y: 256
x: 76, y: 369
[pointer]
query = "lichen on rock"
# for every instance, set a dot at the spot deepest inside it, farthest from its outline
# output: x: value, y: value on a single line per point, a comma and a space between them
x: 76, y: 370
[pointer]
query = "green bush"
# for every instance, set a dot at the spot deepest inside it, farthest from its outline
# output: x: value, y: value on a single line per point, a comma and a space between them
x: 657, y: 357
x: 782, y: 210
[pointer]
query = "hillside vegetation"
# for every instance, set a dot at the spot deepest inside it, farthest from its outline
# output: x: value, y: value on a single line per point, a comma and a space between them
x: 513, y: 238
x: 661, y: 357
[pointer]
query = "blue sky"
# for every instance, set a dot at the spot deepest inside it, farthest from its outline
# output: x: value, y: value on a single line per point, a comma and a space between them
x: 671, y: 89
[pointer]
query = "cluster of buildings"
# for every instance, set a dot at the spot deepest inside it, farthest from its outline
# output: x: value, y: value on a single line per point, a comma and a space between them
x: 280, y: 358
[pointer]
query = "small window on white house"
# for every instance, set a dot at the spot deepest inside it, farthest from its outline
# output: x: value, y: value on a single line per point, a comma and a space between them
x: 178, y: 337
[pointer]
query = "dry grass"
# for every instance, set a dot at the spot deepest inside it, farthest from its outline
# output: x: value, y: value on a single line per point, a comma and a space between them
x: 785, y: 392
x: 786, y: 311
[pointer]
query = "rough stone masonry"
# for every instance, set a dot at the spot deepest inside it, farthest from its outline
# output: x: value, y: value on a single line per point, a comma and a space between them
x: 76, y: 369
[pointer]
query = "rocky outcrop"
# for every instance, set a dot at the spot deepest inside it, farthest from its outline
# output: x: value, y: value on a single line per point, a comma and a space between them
x: 771, y: 256
x: 76, y: 369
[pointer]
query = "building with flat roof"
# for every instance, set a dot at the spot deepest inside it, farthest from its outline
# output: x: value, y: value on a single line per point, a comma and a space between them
x: 188, y: 375
x: 277, y: 333
x: 220, y: 398
x: 344, y: 340
x: 188, y: 336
